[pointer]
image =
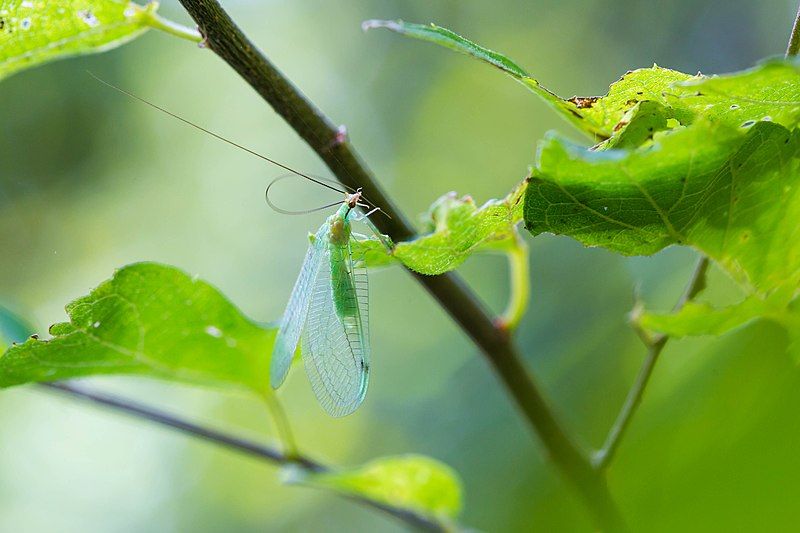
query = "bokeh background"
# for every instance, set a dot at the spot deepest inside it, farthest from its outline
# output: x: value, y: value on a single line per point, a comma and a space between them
x: 90, y: 181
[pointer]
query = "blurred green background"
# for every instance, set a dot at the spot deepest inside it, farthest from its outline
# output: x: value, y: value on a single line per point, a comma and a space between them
x: 90, y: 181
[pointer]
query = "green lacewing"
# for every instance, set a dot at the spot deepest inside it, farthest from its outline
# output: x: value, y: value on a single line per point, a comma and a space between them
x: 329, y: 304
x: 329, y: 309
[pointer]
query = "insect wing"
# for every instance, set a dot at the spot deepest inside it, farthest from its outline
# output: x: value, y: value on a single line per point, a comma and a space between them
x: 297, y: 310
x: 336, y: 345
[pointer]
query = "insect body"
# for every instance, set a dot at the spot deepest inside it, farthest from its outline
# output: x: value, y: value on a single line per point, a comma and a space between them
x: 329, y: 309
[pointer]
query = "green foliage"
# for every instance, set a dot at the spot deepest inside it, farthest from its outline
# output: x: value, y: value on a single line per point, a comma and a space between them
x: 454, y: 228
x: 449, y: 39
x: 592, y: 115
x: 707, y: 162
x: 150, y: 320
x: 728, y: 198
x: 703, y: 319
x: 638, y: 126
x: 33, y: 32
x: 691, y: 160
x: 412, y: 482
x: 696, y: 319
x: 768, y: 91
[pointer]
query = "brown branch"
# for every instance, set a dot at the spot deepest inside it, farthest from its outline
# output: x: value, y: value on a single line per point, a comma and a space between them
x: 794, y: 37
x: 239, y: 444
x: 225, y: 39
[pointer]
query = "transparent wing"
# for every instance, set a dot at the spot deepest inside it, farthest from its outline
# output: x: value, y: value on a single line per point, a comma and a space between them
x: 296, y: 310
x: 336, y: 346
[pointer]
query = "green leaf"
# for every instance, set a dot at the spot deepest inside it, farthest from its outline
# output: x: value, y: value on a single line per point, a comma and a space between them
x: 455, y: 228
x: 601, y: 116
x: 728, y: 192
x: 696, y: 319
x: 150, y: 320
x: 414, y: 482
x: 12, y: 328
x: 709, y: 162
x: 448, y: 39
x: 595, y: 116
x: 769, y: 91
x: 33, y: 32
x: 638, y: 126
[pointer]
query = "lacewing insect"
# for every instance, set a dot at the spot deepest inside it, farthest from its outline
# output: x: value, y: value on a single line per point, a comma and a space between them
x: 328, y: 307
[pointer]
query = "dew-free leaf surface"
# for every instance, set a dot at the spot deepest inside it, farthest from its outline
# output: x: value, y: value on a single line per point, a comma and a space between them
x: 150, y: 320
x: 696, y: 319
x: 413, y: 482
x: 455, y: 228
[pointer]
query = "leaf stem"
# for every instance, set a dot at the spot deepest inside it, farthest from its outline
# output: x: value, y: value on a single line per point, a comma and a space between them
x: 225, y: 440
x: 225, y: 39
x: 173, y: 28
x: 519, y: 274
x: 655, y: 345
x: 282, y: 426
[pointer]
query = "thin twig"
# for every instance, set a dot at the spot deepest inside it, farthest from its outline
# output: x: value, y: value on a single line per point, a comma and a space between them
x: 794, y: 38
x: 239, y: 444
x: 655, y: 345
x: 225, y: 39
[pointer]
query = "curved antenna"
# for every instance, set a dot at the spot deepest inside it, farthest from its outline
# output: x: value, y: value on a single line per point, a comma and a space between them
x: 215, y: 135
x: 335, y: 183
x: 286, y: 211
x: 327, y: 183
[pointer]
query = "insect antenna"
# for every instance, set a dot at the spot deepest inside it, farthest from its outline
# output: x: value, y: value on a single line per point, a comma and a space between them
x: 215, y: 135
x: 289, y: 212
x: 327, y: 183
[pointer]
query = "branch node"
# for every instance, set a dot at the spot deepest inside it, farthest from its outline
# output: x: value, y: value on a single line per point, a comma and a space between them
x: 339, y: 138
x: 635, y: 320
x: 204, y: 41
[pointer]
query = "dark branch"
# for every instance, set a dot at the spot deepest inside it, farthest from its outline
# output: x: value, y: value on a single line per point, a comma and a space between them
x: 794, y: 37
x: 229, y: 441
x: 225, y: 39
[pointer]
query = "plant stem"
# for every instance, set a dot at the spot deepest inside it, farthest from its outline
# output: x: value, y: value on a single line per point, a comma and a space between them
x: 173, y: 28
x: 794, y: 38
x: 655, y: 345
x: 282, y: 426
x: 228, y: 441
x: 225, y: 39
x: 520, y: 286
